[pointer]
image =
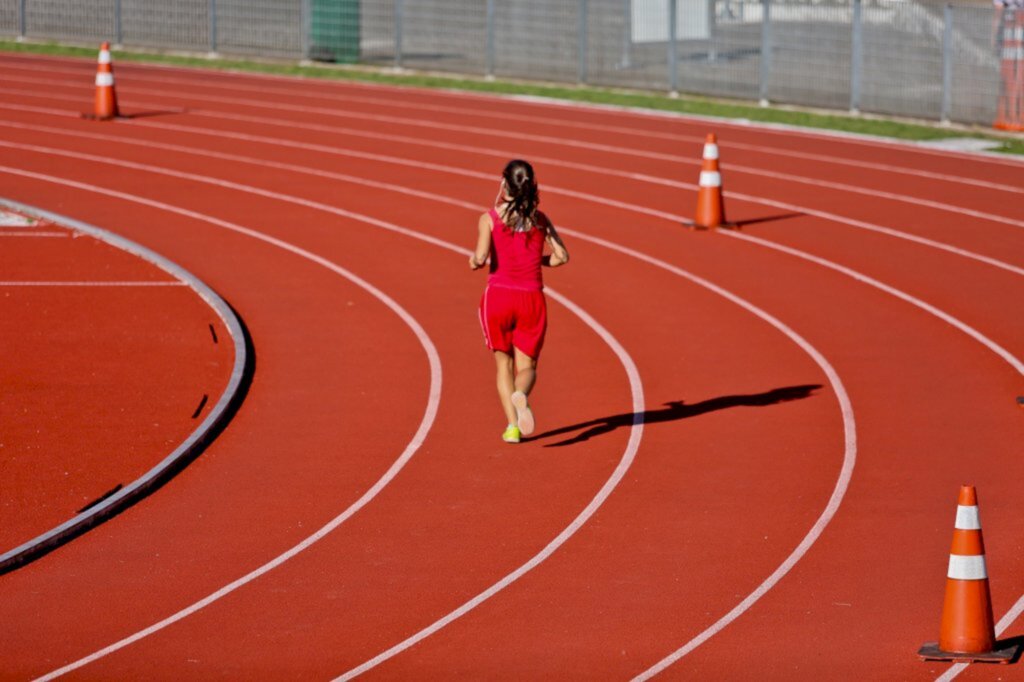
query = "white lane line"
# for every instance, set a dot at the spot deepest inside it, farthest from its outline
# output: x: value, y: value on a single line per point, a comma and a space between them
x: 489, y: 176
x: 623, y: 466
x: 93, y: 284
x: 1013, y: 361
x: 849, y: 455
x: 661, y: 135
x: 430, y: 413
x: 1006, y: 621
x: 568, y: 142
x: 870, y: 281
x: 32, y: 233
x: 329, y: 208
x: 842, y: 482
x: 892, y: 230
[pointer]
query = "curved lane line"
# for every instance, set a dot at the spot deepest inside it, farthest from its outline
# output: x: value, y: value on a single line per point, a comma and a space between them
x: 550, y: 140
x: 842, y: 482
x: 953, y: 249
x: 1004, y: 622
x: 418, y: 438
x: 623, y: 466
x: 860, y: 277
x: 846, y: 472
x: 953, y: 321
x: 483, y: 176
x: 615, y: 129
x: 614, y: 149
x: 196, y: 441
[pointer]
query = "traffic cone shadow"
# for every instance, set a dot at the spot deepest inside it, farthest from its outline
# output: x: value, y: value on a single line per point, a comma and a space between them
x: 967, y: 633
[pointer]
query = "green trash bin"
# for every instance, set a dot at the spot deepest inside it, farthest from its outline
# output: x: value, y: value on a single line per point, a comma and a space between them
x: 334, y: 31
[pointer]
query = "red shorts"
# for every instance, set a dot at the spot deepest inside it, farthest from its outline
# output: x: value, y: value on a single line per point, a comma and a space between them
x: 514, y: 317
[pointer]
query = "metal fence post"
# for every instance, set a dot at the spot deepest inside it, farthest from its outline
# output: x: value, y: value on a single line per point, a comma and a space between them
x: 305, y: 28
x: 22, y: 22
x: 766, y: 50
x: 673, y: 57
x: 856, y: 58
x: 490, y: 41
x: 712, y: 30
x: 398, y: 33
x: 947, y: 65
x: 118, y: 30
x: 581, y: 41
x: 627, y: 44
x: 213, y: 26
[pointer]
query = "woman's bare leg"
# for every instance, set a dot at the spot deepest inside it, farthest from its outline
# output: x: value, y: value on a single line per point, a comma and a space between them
x: 506, y: 384
x: 526, y: 371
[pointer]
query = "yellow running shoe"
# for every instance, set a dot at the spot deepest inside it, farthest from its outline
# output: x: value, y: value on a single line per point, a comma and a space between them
x: 511, y: 434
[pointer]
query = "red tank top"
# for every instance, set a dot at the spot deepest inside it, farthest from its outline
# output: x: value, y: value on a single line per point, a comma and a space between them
x: 516, y: 256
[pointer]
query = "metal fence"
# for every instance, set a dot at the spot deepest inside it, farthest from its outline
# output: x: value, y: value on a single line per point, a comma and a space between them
x: 894, y: 57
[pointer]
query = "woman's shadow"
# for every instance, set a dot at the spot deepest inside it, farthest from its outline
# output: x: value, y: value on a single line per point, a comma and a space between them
x: 675, y: 410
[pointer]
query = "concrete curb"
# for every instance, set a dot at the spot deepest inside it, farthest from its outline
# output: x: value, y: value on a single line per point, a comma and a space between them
x: 216, y: 420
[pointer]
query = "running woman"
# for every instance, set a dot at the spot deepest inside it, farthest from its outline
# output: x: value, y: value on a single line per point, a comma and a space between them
x: 513, y: 312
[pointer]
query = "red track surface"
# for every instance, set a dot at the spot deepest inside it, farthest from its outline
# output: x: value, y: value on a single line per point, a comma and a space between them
x: 110, y: 361
x: 737, y: 460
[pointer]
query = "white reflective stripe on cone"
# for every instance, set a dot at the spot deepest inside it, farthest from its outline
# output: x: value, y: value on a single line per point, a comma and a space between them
x: 967, y: 518
x: 710, y: 151
x: 104, y: 57
x: 967, y: 567
x: 710, y: 179
x: 106, y: 79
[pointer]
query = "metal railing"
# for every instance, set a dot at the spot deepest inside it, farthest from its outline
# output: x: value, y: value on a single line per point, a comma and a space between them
x: 893, y: 57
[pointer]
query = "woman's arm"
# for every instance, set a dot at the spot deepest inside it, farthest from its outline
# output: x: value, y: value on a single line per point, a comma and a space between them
x: 559, y: 254
x: 483, y: 243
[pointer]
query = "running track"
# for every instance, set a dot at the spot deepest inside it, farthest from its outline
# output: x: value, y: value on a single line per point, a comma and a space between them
x: 749, y: 443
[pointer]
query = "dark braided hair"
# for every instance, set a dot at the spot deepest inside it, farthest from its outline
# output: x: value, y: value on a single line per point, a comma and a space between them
x: 521, y: 210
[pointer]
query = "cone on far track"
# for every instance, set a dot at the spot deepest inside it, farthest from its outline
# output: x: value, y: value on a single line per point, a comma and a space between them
x: 967, y: 633
x: 710, y: 211
x: 105, y: 107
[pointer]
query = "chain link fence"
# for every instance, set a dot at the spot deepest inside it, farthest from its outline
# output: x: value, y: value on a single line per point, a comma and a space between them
x: 894, y: 57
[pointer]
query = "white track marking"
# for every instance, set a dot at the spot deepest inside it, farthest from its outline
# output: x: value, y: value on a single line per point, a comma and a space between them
x: 870, y: 281
x: 782, y: 570
x: 849, y: 457
x: 549, y: 104
x: 33, y: 233
x: 624, y: 464
x: 434, y: 396
x: 93, y: 284
x: 758, y: 595
x: 620, y: 470
x: 842, y: 482
x: 1004, y: 622
x: 615, y: 129
x: 640, y: 177
x: 568, y: 142
x: 489, y: 177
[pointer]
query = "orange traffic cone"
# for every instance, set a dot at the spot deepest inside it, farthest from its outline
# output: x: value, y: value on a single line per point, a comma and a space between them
x: 106, y: 99
x: 967, y: 633
x: 710, y: 206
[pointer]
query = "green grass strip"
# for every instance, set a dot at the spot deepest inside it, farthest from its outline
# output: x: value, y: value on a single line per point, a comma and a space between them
x: 866, y: 125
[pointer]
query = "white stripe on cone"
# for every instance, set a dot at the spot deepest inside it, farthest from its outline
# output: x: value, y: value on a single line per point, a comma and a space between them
x: 967, y: 567
x: 710, y: 179
x: 104, y: 79
x: 710, y: 151
x: 104, y: 57
x: 967, y: 518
